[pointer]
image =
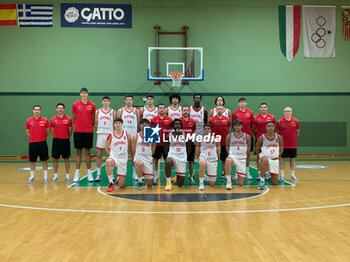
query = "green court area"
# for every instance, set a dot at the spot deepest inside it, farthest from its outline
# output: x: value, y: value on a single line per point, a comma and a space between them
x: 130, y: 182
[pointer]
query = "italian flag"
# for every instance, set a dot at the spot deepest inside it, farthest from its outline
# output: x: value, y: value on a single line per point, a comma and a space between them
x: 289, y: 23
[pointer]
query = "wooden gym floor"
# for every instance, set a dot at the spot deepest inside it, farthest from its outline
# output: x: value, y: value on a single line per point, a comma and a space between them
x: 51, y: 222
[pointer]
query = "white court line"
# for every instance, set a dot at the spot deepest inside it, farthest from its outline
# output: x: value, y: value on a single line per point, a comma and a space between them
x: 197, y: 202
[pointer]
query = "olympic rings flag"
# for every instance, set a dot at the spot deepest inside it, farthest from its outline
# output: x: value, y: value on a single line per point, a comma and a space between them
x: 289, y: 25
x: 319, y: 31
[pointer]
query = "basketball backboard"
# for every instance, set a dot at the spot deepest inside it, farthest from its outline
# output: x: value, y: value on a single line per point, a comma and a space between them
x: 162, y: 60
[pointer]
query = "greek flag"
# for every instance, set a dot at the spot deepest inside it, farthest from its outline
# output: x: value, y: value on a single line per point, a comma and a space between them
x: 35, y: 15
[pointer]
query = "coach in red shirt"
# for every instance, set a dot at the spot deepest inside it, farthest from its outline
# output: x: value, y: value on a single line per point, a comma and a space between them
x: 189, y: 127
x: 84, y: 121
x: 37, y: 128
x: 289, y: 128
x: 220, y: 126
x: 246, y: 116
x: 61, y: 129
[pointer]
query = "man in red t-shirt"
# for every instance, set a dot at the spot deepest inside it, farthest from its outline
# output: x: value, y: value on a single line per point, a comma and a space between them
x: 84, y: 120
x: 246, y: 116
x: 189, y: 127
x: 289, y: 128
x: 165, y: 123
x: 61, y: 129
x: 259, y: 128
x: 37, y: 128
x: 220, y: 125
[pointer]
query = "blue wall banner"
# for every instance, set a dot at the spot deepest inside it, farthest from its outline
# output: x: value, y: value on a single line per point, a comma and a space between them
x: 95, y: 15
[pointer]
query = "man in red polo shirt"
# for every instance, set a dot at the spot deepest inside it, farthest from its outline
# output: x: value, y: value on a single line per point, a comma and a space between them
x: 289, y: 128
x: 220, y: 125
x: 259, y: 128
x: 165, y: 123
x: 37, y: 128
x: 84, y: 121
x: 61, y: 129
x: 246, y: 116
x: 189, y: 127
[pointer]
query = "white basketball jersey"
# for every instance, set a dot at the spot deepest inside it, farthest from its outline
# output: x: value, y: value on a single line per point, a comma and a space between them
x: 177, y: 149
x: 208, y: 151
x: 105, y: 121
x: 119, y: 146
x: 174, y: 114
x: 149, y: 114
x: 129, y: 121
x: 198, y: 116
x: 143, y: 150
x: 225, y: 113
x: 238, y: 146
x: 270, y: 148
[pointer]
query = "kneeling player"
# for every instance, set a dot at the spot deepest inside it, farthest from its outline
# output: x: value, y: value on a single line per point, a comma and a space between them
x: 271, y: 145
x: 208, y: 158
x: 177, y: 149
x: 238, y: 145
x: 118, y: 148
x: 142, y: 153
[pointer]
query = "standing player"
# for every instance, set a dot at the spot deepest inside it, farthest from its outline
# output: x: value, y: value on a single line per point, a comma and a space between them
x: 165, y: 124
x: 189, y: 127
x: 220, y: 125
x: 142, y: 156
x: 150, y: 110
x: 289, y: 128
x: 220, y: 101
x: 198, y: 113
x: 83, y: 120
x: 259, y: 128
x: 246, y: 116
x: 268, y: 149
x: 37, y: 128
x: 174, y: 111
x: 207, y: 153
x: 177, y: 148
x: 61, y: 129
x: 104, y: 126
x: 131, y: 120
x: 238, y: 145
x: 117, y: 147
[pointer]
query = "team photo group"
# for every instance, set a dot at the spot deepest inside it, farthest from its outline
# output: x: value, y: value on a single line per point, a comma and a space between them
x: 121, y: 133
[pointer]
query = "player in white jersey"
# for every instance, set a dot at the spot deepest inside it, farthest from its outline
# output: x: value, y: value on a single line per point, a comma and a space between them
x: 142, y: 156
x: 104, y: 118
x: 118, y: 146
x: 207, y: 153
x: 150, y: 110
x: 177, y: 149
x: 198, y: 113
x: 175, y: 110
x: 131, y: 120
x: 220, y: 101
x: 271, y: 146
x: 238, y: 147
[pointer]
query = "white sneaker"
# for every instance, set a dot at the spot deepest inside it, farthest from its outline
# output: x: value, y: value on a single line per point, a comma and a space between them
x: 267, y: 176
x: 67, y: 179
x: 54, y: 180
x: 155, y: 180
x: 76, y: 177
x: 30, y: 180
x: 201, y: 187
x: 281, y: 178
x: 206, y: 178
x: 228, y: 185
x: 90, y: 178
x: 135, y: 177
x: 235, y: 177
x: 249, y: 176
x: 294, y: 178
x: 98, y: 178
x: 46, y: 180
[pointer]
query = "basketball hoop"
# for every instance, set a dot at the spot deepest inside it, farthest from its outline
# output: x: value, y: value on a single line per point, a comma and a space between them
x: 176, y: 77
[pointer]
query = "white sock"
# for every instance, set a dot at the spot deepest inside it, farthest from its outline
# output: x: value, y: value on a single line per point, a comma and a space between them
x: 168, y: 179
x: 247, y: 169
x: 89, y: 171
x: 292, y: 173
x: 282, y: 172
x: 45, y: 174
x: 77, y: 172
x: 31, y: 174
x: 110, y: 178
x: 258, y: 173
x: 67, y: 175
x: 228, y: 177
x: 155, y: 173
x: 201, y: 180
x: 262, y: 179
x: 134, y: 169
x: 140, y: 179
x: 99, y: 171
x: 55, y: 175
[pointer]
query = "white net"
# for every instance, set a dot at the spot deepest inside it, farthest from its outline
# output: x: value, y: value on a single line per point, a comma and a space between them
x: 176, y: 77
